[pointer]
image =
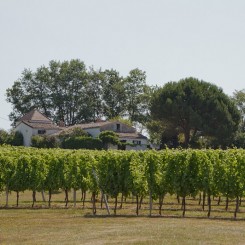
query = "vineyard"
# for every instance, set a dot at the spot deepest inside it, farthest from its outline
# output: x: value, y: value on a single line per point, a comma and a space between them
x: 111, y: 178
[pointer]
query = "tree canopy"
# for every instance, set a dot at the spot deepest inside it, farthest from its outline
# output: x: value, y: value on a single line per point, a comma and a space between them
x: 192, y: 107
x: 69, y: 92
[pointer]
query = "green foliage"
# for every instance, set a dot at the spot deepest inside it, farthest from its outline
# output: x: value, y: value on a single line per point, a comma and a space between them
x: 69, y: 92
x: 154, y: 173
x: 4, y: 137
x: 114, y: 95
x: 194, y: 107
x: 82, y: 143
x: 44, y: 141
x: 17, y: 139
x: 109, y: 137
x: 137, y: 96
x: 12, y: 138
x: 73, y: 132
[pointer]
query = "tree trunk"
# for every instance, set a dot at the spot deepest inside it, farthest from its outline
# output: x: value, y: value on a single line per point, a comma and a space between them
x: 101, y: 200
x: 121, y: 205
x: 200, y: 198
x: 237, y: 207
x: 17, y: 198
x: 49, y: 197
x: 94, y: 204
x: 203, y: 200
x: 227, y: 203
x: 66, y: 197
x: 219, y: 200
x: 183, y: 205
x: 75, y: 197
x: 7, y: 196
x: 33, y: 198
x: 43, y: 196
x: 178, y: 199
x: 84, y: 198
x: 160, y: 204
x: 150, y: 198
x: 209, y: 205
x: 115, y: 209
x: 137, y: 205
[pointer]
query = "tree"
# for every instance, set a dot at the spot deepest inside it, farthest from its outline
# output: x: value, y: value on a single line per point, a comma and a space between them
x: 239, y: 99
x: 136, y: 95
x: 69, y: 92
x: 59, y: 91
x: 109, y: 137
x: 114, y: 96
x: 194, y: 108
x: 4, y: 137
x: 12, y: 138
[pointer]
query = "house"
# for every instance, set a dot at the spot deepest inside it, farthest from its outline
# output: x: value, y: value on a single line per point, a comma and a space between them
x: 35, y: 123
x: 126, y: 133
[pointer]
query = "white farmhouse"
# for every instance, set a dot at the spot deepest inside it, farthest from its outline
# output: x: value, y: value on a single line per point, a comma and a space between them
x: 35, y: 123
x: 127, y: 134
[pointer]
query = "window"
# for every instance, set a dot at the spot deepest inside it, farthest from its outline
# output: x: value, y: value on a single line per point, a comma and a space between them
x: 41, y: 131
x: 137, y: 142
x: 118, y: 127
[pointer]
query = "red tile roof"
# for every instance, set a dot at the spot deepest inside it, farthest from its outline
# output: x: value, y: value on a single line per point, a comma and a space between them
x: 131, y: 135
x: 41, y: 125
x: 35, y: 115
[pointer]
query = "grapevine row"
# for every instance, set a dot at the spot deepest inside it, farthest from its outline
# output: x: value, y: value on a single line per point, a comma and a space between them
x: 149, y: 173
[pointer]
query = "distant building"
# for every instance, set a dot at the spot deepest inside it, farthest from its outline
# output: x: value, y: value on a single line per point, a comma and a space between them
x: 35, y: 123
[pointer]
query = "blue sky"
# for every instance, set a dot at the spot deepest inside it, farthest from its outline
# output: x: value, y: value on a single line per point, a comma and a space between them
x: 169, y: 39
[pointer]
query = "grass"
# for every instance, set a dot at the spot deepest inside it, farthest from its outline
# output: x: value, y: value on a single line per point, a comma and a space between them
x: 60, y: 225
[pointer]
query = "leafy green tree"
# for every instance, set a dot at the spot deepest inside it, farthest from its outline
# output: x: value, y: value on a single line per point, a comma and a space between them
x: 109, y: 137
x: 94, y: 94
x: 12, y: 138
x: 239, y: 99
x: 194, y: 108
x: 114, y: 96
x: 4, y: 137
x: 59, y: 91
x: 17, y: 138
x: 137, y: 96
x: 20, y: 179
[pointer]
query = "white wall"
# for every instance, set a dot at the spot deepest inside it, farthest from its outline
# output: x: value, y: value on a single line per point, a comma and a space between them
x: 141, y: 147
x: 94, y: 132
x: 27, y: 133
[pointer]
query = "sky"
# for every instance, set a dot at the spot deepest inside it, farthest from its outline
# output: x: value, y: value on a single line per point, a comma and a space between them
x: 168, y: 39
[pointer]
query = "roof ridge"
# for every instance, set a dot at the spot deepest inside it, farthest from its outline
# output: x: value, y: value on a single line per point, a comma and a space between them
x: 35, y: 115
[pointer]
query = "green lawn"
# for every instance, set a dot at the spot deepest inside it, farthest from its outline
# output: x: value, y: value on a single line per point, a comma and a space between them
x: 72, y: 226
x: 59, y: 225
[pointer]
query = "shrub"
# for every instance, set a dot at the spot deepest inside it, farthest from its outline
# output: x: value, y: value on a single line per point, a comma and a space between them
x: 44, y: 141
x: 109, y: 137
x: 82, y: 143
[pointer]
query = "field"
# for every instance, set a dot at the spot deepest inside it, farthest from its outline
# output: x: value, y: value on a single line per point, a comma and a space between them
x: 60, y: 225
